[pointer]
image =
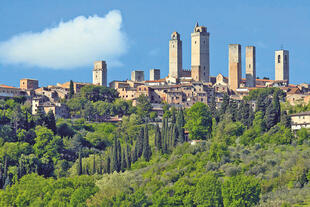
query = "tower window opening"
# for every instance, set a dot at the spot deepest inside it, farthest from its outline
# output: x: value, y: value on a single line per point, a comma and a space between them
x: 279, y: 58
x: 249, y: 65
x: 285, y: 58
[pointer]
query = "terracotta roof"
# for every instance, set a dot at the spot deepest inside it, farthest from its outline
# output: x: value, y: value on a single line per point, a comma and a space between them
x: 293, y: 91
x: 155, y: 81
x: 10, y: 87
x: 264, y: 80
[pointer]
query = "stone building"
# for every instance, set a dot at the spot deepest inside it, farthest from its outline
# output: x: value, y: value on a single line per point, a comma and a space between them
x: 10, y: 91
x: 235, y: 73
x: 175, y: 56
x: 282, y: 70
x: 250, y: 66
x: 29, y: 84
x: 300, y: 120
x: 137, y: 75
x: 100, y: 73
x: 200, y: 59
x: 154, y: 74
x: 40, y: 104
x: 76, y: 86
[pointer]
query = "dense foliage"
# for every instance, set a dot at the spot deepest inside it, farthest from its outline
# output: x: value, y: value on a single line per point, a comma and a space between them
x: 246, y: 154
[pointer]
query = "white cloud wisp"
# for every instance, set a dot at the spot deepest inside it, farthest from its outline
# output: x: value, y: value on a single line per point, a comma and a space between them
x: 75, y: 43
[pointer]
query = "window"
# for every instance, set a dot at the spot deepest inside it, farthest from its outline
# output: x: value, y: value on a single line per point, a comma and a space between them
x: 249, y: 65
x: 279, y: 58
x: 285, y: 58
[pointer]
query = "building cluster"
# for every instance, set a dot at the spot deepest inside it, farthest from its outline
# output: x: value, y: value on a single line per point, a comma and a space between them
x: 184, y: 87
x: 181, y: 87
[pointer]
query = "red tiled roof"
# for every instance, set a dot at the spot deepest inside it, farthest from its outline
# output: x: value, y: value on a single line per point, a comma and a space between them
x: 10, y: 87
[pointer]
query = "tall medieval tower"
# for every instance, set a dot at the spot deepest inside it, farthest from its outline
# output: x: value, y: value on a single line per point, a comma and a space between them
x: 234, y: 59
x: 250, y: 68
x: 175, y: 56
x: 282, y: 70
x: 100, y: 73
x: 200, y: 59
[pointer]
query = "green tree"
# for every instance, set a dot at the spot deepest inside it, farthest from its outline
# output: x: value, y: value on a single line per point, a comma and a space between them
x: 147, y: 152
x: 241, y: 191
x: 180, y: 122
x: 71, y: 89
x: 208, y: 191
x: 51, y: 122
x: 199, y: 121
x: 144, y: 107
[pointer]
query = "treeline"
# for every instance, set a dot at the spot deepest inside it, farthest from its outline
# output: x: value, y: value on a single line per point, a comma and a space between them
x: 98, y: 103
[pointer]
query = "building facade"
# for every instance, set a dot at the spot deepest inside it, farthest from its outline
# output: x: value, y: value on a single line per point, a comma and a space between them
x: 175, y: 56
x: 200, y: 60
x: 234, y: 66
x: 250, y: 66
x: 154, y: 74
x: 137, y: 75
x: 300, y: 120
x: 100, y: 73
x: 282, y: 69
x: 28, y: 84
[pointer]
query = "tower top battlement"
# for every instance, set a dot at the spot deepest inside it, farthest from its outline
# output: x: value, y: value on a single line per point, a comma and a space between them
x: 175, y: 36
x: 200, y: 29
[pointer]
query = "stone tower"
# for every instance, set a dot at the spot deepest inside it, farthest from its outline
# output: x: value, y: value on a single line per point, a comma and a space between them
x: 100, y: 73
x: 234, y: 66
x: 137, y: 75
x: 282, y: 69
x: 175, y: 56
x: 200, y: 59
x: 250, y: 65
x: 154, y: 74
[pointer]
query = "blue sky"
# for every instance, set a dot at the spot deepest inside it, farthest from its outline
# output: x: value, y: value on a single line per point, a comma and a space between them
x: 144, y: 35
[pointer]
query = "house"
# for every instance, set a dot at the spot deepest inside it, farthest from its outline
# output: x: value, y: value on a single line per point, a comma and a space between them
x: 300, y: 120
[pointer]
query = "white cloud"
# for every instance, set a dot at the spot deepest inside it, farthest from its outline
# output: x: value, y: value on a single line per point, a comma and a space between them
x: 75, y: 43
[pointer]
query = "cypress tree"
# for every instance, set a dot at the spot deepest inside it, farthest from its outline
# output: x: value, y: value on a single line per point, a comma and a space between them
x: 270, y: 116
x: 50, y: 121
x: 146, y: 147
x: 285, y: 119
x: 163, y: 130
x: 276, y: 105
x: 128, y: 157
x: 180, y: 126
x: 71, y: 89
x: 123, y: 162
x: 158, y: 138
x: 108, y: 165
x: 119, y: 155
x: 140, y: 142
x: 225, y: 104
x: 173, y: 115
x: 174, y: 136
x: 101, y: 165
x: 94, y: 164
x: 80, y: 166
x: 233, y: 109
x: 135, y: 154
x: 213, y: 107
x: 115, y: 157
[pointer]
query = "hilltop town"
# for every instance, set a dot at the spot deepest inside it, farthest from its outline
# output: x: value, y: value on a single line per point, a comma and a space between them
x: 181, y: 87
x: 185, y: 138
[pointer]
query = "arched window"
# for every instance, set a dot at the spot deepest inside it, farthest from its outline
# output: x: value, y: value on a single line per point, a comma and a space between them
x: 279, y: 58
